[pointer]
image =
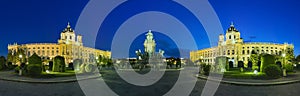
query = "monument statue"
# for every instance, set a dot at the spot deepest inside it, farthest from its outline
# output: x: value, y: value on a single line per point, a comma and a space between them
x: 149, y: 43
x: 150, y: 57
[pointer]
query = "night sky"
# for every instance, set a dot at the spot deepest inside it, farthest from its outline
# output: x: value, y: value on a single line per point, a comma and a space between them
x: 41, y: 21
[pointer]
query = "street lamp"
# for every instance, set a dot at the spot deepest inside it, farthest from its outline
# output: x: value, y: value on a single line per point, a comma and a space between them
x: 20, y: 56
x: 283, y: 56
x: 20, y: 71
x: 283, y: 65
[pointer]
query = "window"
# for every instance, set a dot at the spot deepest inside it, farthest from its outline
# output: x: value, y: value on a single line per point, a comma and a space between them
x: 230, y: 37
x: 70, y: 37
x: 232, y: 52
x: 243, y: 52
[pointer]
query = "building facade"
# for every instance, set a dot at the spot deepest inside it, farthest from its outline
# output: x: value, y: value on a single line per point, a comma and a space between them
x: 69, y: 46
x: 232, y: 46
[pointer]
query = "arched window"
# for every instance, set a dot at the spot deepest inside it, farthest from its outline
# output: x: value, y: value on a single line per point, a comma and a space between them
x: 229, y: 36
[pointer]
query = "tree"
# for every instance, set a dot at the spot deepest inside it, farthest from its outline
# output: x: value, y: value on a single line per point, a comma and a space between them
x: 298, y: 59
x: 21, y: 59
x: 2, y: 62
x: 59, y: 64
x: 11, y: 58
x: 254, y: 58
x: 77, y: 63
x: 178, y: 63
x: 290, y: 55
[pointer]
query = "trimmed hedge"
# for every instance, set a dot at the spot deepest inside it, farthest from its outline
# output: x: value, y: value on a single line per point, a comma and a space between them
x: 240, y: 64
x: 273, y: 71
x: 266, y: 60
x: 206, y: 69
x: 35, y: 59
x: 89, y: 68
x: 59, y: 64
x: 34, y: 70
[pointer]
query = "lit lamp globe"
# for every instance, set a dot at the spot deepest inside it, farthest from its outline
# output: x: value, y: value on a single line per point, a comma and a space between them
x: 283, y: 55
x: 20, y: 56
x: 255, y: 72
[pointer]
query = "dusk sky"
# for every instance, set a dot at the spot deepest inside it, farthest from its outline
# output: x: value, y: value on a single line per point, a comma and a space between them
x: 41, y: 21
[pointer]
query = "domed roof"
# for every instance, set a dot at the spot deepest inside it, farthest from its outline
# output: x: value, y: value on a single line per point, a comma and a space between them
x: 68, y: 29
x: 232, y: 28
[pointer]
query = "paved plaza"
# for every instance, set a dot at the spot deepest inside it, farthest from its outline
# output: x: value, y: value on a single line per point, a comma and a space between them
x: 12, y: 88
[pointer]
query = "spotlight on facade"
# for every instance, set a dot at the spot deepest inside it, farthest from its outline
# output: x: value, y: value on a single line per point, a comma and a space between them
x: 255, y: 72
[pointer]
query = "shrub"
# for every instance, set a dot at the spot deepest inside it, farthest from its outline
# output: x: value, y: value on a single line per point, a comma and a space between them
x: 35, y: 59
x: 59, y: 64
x: 289, y: 67
x: 272, y: 71
x: 250, y: 65
x: 266, y: 60
x: 90, y: 68
x: 34, y: 70
x: 71, y: 66
x: 77, y: 63
x: 17, y: 69
x: 10, y: 66
x: 1, y: 67
x: 206, y: 69
x: 241, y: 64
x: 2, y: 62
x: 230, y: 64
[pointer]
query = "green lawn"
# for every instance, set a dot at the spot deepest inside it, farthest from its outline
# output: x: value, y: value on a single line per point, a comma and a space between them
x: 244, y: 75
x: 57, y: 74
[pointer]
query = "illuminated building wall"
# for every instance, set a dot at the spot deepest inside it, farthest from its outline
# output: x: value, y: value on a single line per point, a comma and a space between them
x: 232, y: 46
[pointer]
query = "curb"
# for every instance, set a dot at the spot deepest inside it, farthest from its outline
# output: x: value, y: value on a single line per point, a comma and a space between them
x: 250, y: 83
x: 47, y: 82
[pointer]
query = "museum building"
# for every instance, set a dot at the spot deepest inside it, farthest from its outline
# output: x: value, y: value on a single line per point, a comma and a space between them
x: 232, y: 46
x: 69, y: 46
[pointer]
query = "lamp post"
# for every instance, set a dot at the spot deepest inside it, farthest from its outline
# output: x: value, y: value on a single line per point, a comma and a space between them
x: 283, y: 65
x: 20, y: 56
x: 21, y: 67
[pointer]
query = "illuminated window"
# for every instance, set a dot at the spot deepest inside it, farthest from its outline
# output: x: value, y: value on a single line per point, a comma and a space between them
x: 228, y: 52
